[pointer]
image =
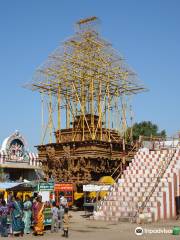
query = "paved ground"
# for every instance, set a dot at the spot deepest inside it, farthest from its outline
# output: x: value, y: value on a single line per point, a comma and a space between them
x: 82, y: 228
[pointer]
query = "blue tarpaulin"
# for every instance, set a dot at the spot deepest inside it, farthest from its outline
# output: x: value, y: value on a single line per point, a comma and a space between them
x: 7, y: 185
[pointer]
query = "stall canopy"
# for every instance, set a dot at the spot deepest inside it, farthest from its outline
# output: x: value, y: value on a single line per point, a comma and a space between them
x: 21, y: 186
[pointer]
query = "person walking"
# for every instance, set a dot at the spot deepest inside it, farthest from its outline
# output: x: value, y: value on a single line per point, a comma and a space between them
x: 62, y: 205
x: 3, y: 219
x: 27, y: 213
x: 55, y: 218
x: 66, y: 219
x: 38, y: 216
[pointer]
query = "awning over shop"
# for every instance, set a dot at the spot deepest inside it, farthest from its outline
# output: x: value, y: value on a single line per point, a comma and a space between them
x: 19, y: 166
x: 14, y: 186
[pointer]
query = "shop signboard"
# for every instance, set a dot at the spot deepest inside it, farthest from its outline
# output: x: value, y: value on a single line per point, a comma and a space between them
x: 95, y: 188
x: 46, y: 186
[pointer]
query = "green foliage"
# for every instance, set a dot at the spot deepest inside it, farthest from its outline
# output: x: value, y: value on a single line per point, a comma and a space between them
x: 146, y: 128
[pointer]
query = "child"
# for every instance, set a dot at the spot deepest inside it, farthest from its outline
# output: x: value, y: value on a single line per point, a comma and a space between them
x: 66, y: 222
x: 55, y: 220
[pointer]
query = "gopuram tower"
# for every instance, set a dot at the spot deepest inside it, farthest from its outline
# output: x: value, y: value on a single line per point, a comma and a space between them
x: 85, y: 86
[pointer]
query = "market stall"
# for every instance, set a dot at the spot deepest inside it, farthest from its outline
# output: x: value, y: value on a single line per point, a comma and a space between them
x: 21, y: 188
x: 92, y: 196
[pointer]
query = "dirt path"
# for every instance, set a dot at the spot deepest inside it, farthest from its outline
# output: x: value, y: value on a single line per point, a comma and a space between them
x: 82, y: 228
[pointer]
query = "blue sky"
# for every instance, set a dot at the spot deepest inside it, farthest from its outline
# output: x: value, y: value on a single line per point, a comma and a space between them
x: 145, y: 32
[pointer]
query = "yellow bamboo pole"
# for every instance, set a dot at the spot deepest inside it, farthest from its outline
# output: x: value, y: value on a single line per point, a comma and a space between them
x: 50, y: 118
x: 100, y: 110
x: 74, y: 110
x: 42, y: 117
x: 109, y: 116
x: 59, y: 112
x: 92, y: 109
x: 116, y: 110
x: 83, y: 106
x: 66, y: 84
x: 124, y: 124
x: 131, y: 119
x: 67, y: 112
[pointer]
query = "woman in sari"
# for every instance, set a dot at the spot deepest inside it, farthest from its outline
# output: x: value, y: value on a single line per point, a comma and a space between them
x: 3, y: 219
x: 16, y: 216
x: 38, y: 208
x: 27, y: 214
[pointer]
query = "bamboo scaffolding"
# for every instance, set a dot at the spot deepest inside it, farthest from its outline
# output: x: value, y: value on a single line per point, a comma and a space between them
x: 86, y: 75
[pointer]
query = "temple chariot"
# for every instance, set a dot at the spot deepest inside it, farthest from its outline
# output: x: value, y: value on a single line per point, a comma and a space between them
x: 85, y: 87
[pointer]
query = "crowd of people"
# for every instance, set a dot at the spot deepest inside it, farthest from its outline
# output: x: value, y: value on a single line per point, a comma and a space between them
x: 28, y: 216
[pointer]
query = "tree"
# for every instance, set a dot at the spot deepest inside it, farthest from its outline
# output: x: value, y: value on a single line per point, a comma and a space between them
x: 145, y: 128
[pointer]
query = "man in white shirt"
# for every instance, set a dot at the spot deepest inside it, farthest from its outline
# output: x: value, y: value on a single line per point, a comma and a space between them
x: 63, y: 203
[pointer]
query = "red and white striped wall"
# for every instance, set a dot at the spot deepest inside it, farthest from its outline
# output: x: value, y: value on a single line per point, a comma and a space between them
x: 138, y: 180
